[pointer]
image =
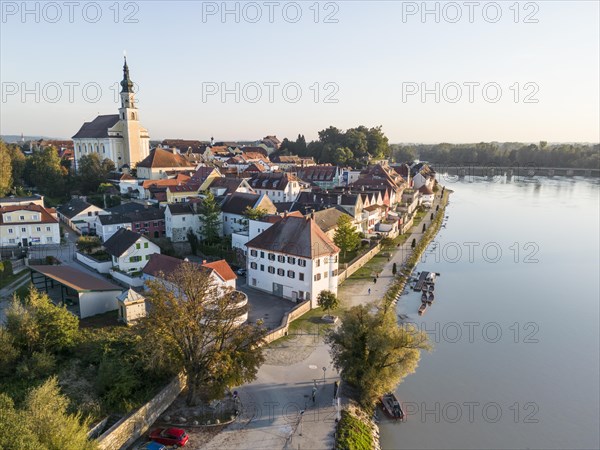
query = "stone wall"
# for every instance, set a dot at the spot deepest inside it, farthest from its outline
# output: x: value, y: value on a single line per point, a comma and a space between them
x: 288, y: 318
x: 357, y: 264
x: 127, y: 430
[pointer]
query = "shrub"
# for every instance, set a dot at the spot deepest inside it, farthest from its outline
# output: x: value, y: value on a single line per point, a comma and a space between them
x: 353, y: 434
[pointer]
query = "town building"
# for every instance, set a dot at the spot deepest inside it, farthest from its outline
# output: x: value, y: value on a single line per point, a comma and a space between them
x: 80, y: 215
x: 293, y: 259
x: 234, y: 208
x: 325, y: 177
x: 160, y: 164
x: 279, y: 186
x: 130, y: 251
x: 27, y: 225
x: 118, y: 137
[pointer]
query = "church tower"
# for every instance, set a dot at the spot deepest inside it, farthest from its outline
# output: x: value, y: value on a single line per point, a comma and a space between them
x: 135, y: 137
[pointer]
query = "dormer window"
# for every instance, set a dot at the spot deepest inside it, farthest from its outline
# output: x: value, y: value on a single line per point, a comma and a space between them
x: 21, y: 217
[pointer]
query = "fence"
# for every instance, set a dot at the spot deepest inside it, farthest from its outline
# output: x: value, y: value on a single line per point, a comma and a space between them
x: 357, y: 263
x: 127, y: 430
x: 93, y: 263
x: 126, y: 279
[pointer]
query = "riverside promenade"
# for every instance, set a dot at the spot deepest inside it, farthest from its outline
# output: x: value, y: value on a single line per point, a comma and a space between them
x: 271, y: 405
x: 355, y: 291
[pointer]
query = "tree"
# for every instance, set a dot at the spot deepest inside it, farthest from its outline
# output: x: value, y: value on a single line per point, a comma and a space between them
x: 327, y: 300
x: 18, y: 161
x: 413, y: 244
x: 44, y: 171
x: 193, y: 240
x: 36, y: 324
x: 15, y: 433
x: 192, y: 326
x: 210, y: 218
x: 6, y: 170
x: 47, y: 416
x: 373, y: 352
x: 394, y: 269
x: 255, y: 213
x: 93, y: 172
x: 346, y: 237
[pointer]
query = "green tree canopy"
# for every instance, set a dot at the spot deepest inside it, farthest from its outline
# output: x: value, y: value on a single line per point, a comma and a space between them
x: 192, y: 326
x: 6, y: 170
x: 255, y: 213
x: 93, y: 172
x: 210, y: 218
x: 327, y: 300
x: 346, y: 237
x: 45, y: 172
x: 373, y: 352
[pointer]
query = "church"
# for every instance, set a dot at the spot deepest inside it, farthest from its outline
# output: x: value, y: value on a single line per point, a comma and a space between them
x: 118, y: 137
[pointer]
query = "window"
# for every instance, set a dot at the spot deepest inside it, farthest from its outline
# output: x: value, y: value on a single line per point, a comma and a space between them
x: 47, y: 228
x: 317, y: 277
x: 325, y: 274
x: 318, y: 262
x: 281, y: 258
x: 35, y: 217
x: 271, y: 269
x: 21, y: 217
x: 253, y: 265
x: 137, y: 225
x: 291, y: 274
x: 280, y: 272
x: 253, y: 281
x: 291, y: 260
x: 135, y: 259
x: 301, y: 262
x: 262, y: 254
x: 146, y: 225
x: 145, y: 245
x: 155, y: 224
x: 23, y: 230
x: 137, y: 246
x: 262, y: 267
x: 49, y: 239
x: 271, y: 257
x: 183, y: 219
x: 253, y: 253
x: 147, y: 257
x: 10, y: 230
x: 38, y: 228
x: 334, y: 273
x: 8, y: 218
x: 11, y: 241
x: 301, y: 276
x: 226, y: 218
x: 89, y: 213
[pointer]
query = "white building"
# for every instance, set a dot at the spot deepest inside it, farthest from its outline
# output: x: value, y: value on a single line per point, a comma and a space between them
x: 118, y: 137
x: 235, y: 206
x: 161, y: 164
x: 281, y: 187
x: 132, y: 306
x: 130, y: 251
x: 293, y: 259
x: 80, y: 215
x: 180, y: 218
x: 107, y: 225
x: 25, y: 225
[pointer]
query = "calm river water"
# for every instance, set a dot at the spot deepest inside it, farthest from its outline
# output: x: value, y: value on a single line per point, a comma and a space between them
x: 515, y: 322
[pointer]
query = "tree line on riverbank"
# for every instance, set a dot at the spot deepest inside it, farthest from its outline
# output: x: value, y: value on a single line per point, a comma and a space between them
x: 507, y: 154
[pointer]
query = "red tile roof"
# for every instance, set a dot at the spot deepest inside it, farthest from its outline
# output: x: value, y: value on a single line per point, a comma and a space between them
x: 222, y: 269
x: 164, y: 158
x: 45, y: 215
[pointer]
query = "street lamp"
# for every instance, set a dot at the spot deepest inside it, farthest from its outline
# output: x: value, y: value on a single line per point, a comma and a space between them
x: 324, y: 370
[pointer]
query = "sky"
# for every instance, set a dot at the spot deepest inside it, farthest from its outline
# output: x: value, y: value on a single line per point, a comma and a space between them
x: 426, y: 72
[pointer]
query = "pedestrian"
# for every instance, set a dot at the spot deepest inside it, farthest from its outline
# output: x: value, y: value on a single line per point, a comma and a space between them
x: 369, y: 291
x: 336, y: 385
x: 314, y: 394
x: 374, y: 280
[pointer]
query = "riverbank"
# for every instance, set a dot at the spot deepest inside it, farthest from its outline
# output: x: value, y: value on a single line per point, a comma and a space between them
x: 390, y: 288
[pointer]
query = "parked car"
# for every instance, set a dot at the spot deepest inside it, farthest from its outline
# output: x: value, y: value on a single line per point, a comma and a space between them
x: 170, y: 436
x: 152, y: 446
x: 241, y: 272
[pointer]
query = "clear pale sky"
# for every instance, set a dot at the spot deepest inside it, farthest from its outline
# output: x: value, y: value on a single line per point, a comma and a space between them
x: 174, y: 54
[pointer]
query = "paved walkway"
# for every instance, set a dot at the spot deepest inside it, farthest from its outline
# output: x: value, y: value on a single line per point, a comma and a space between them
x: 271, y: 405
x: 355, y: 292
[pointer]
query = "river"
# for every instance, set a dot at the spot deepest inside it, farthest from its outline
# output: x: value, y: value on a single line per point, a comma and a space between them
x: 515, y: 322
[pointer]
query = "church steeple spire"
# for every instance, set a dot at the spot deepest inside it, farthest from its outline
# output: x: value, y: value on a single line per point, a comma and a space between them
x: 126, y: 84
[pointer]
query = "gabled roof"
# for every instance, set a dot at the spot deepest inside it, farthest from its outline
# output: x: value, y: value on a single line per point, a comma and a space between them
x: 202, y: 173
x: 74, y: 207
x: 45, y: 214
x: 131, y: 297
x: 425, y: 190
x: 112, y: 219
x: 296, y: 236
x: 97, y: 128
x: 164, y: 158
x: 230, y: 185
x: 222, y: 269
x: 327, y: 218
x: 317, y: 173
x: 121, y: 241
x: 271, y: 180
x: 76, y: 279
x: 237, y: 202
x: 180, y: 209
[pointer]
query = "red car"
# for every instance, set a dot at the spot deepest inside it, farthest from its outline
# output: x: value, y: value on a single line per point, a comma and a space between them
x: 170, y: 436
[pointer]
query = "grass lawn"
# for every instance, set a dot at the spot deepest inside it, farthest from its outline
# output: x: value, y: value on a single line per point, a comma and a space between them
x: 311, y: 322
x: 374, y: 266
x: 5, y: 281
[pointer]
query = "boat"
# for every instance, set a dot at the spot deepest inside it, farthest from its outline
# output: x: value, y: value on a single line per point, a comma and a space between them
x: 391, y: 406
x: 431, y: 298
x: 422, y: 308
x: 431, y: 287
x: 424, y: 297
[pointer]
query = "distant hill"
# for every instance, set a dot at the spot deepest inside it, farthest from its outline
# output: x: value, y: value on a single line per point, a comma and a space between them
x: 15, y: 138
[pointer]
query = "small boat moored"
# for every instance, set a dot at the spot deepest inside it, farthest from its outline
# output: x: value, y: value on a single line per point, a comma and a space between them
x: 391, y: 406
x: 430, y: 298
x: 423, y: 297
x: 422, y: 308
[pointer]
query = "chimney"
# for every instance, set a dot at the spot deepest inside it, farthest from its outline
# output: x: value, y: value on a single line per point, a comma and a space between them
x: 203, y: 261
x: 173, y: 150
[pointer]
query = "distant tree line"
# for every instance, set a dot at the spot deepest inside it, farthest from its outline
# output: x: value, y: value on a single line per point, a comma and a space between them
x: 353, y: 147
x: 502, y: 154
